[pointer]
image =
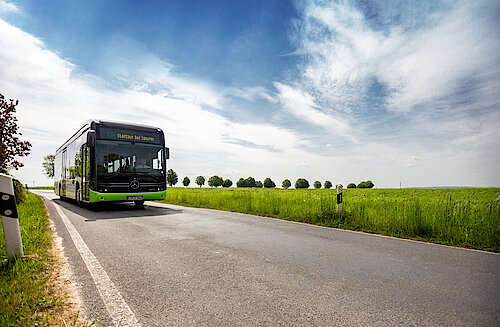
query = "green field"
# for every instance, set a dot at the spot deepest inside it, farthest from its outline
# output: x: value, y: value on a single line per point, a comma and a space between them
x: 461, y: 217
x: 41, y: 188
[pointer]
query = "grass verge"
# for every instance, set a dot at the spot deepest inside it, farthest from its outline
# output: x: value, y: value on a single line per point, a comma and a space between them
x: 459, y: 217
x: 29, y: 294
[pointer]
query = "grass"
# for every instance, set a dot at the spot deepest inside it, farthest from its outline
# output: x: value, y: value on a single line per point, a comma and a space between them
x: 41, y: 187
x: 28, y: 295
x: 460, y: 217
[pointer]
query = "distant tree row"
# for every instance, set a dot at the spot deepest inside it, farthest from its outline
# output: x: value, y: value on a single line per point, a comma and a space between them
x: 216, y: 181
x: 367, y: 184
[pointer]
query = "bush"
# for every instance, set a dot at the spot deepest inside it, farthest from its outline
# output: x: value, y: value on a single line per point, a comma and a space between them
x: 301, y: 183
x: 268, y: 183
x: 186, y: 181
x: 258, y: 184
x: 367, y: 184
x: 328, y: 184
x: 286, y: 184
x: 18, y: 191
x: 317, y: 184
x: 351, y: 185
x: 227, y: 183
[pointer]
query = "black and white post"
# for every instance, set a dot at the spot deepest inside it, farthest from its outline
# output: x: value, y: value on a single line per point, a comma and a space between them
x: 10, y: 221
x: 339, y: 198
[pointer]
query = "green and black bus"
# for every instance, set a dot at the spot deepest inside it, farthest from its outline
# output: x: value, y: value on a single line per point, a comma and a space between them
x: 112, y: 161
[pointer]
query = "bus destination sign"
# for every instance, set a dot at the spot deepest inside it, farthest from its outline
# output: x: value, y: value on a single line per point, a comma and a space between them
x: 131, y: 136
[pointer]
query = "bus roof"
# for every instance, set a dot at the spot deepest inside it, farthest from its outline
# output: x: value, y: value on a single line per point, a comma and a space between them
x: 91, y: 123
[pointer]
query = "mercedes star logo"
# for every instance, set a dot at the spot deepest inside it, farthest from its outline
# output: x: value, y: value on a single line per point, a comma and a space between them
x: 134, y: 184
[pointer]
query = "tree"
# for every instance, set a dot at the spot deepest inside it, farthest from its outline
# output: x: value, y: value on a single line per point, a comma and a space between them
x: 227, y: 183
x: 48, y: 165
x: 328, y: 184
x: 215, y: 181
x: 301, y: 183
x: 200, y: 180
x: 186, y: 181
x: 351, y: 185
x: 250, y: 182
x: 366, y: 184
x: 241, y: 183
x: 172, y: 177
x: 286, y: 184
x: 268, y: 183
x: 258, y: 184
x: 10, y: 145
x: 317, y: 184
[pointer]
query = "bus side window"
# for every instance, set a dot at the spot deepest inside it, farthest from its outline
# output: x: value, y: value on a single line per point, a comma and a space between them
x: 157, y: 161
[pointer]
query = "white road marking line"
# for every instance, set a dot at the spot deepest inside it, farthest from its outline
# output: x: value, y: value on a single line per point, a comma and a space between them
x: 117, y: 308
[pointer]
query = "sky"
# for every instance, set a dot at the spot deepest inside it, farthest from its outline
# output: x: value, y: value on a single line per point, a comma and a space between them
x: 397, y: 92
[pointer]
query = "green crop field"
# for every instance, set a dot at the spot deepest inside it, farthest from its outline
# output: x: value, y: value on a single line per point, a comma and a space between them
x: 460, y: 217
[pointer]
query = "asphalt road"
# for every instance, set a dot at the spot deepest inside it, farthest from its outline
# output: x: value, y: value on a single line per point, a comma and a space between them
x: 179, y: 266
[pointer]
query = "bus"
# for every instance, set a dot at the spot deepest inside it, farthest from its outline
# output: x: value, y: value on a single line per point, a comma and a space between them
x: 112, y: 161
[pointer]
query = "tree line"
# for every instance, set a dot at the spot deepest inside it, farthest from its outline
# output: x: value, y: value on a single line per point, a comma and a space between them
x: 216, y: 181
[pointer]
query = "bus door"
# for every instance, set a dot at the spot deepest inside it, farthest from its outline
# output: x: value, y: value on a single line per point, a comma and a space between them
x: 64, y: 173
x: 85, y: 172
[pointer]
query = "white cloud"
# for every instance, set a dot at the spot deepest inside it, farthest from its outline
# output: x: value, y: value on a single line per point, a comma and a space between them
x: 301, y: 105
x: 129, y: 64
x: 251, y: 93
x: 8, y: 7
x: 344, y: 54
x: 432, y: 64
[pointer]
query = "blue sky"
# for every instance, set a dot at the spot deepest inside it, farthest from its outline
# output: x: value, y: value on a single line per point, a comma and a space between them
x: 327, y: 90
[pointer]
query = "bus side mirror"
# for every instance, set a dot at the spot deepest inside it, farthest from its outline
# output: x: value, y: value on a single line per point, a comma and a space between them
x: 91, y: 139
x: 167, y: 153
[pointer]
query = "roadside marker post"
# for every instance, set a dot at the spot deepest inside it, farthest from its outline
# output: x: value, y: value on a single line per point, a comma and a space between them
x: 339, y: 198
x: 10, y: 220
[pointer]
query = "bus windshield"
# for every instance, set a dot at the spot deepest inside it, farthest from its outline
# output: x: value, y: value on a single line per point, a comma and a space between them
x: 117, y: 157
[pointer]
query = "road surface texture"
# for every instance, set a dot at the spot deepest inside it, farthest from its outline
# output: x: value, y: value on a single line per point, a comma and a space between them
x: 168, y: 265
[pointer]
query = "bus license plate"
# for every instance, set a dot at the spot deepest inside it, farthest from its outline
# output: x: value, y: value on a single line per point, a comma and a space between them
x: 135, y: 198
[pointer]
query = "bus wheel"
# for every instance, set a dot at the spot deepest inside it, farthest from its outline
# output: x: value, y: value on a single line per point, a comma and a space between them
x: 139, y: 203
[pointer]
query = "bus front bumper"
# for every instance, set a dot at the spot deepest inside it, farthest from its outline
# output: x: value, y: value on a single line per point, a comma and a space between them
x: 109, y: 197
